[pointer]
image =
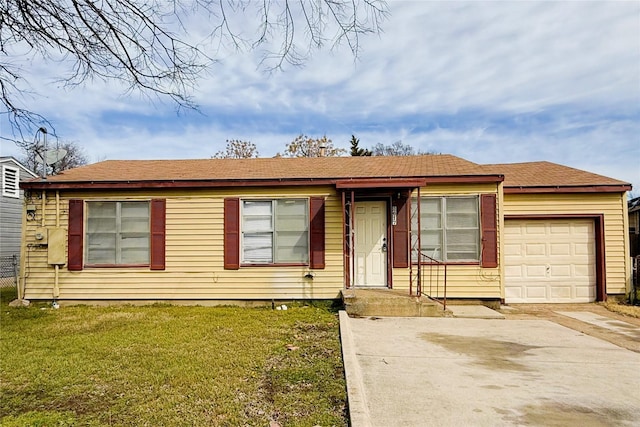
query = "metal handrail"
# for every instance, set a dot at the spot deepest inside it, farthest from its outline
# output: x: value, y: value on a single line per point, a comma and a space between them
x: 426, y: 260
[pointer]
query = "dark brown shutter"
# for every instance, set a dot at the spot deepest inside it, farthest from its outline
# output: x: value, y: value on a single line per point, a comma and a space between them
x: 401, y: 235
x: 232, y: 234
x: 317, y: 249
x: 75, y: 235
x: 489, y: 258
x: 158, y: 240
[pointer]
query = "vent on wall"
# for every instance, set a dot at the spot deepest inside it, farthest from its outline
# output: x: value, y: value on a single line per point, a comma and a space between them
x: 10, y: 182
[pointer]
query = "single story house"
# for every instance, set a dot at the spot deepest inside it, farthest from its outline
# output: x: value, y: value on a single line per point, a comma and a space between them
x: 307, y: 228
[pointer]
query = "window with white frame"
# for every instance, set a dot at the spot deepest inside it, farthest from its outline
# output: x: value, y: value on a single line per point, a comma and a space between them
x: 449, y: 228
x: 117, y: 233
x: 275, y: 231
x: 10, y: 181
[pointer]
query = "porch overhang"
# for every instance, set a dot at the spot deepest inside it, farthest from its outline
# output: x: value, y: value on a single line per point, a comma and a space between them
x: 356, y: 183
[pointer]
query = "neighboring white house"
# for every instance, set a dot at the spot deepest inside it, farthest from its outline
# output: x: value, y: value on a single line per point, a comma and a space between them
x: 11, y: 197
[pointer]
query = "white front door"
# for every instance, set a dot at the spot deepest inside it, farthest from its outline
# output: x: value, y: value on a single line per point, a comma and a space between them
x: 370, y: 244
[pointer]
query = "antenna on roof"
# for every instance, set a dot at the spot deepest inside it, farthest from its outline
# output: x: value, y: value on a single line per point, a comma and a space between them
x: 43, y: 130
x: 48, y: 157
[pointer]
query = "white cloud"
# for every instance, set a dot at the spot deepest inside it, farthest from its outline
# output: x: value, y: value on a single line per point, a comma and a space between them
x: 489, y: 81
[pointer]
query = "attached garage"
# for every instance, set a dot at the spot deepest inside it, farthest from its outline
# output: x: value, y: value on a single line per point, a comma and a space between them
x: 550, y: 261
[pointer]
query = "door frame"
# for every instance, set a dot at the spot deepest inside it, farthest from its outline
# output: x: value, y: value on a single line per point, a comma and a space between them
x: 349, y: 246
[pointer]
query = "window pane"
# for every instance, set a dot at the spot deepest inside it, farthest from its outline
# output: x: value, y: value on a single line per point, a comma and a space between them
x: 101, y: 217
x: 449, y: 228
x: 134, y: 217
x: 117, y: 233
x: 101, y: 225
x: 275, y: 231
x: 291, y: 215
x: 134, y: 249
x: 101, y: 248
x: 292, y: 235
x: 256, y: 216
x: 134, y: 209
x: 292, y: 247
x: 431, y: 241
x: 462, y: 230
x: 101, y: 233
x: 462, y: 212
x: 462, y: 204
x: 257, y: 248
x: 431, y: 205
x: 102, y: 209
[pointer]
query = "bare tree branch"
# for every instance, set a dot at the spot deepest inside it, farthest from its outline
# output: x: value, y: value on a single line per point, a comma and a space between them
x: 146, y: 45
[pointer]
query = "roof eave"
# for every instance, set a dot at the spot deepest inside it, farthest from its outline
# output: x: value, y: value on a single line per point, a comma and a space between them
x: 599, y: 188
x: 166, y: 184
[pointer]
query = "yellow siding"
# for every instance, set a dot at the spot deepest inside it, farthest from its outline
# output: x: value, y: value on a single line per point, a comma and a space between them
x: 611, y: 205
x: 194, y: 255
x: 463, y: 281
x: 194, y: 249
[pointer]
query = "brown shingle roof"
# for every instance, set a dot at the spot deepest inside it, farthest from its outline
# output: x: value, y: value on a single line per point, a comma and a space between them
x: 272, y: 168
x: 517, y: 175
x: 547, y: 174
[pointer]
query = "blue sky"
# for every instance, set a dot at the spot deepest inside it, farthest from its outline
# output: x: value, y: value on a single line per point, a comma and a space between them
x: 492, y: 82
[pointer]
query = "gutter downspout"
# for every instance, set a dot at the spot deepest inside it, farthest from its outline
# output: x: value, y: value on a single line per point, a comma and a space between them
x: 56, y: 288
x: 20, y: 286
x: 500, y: 237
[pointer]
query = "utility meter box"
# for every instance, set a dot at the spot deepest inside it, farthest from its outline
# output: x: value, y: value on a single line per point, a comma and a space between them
x: 42, y: 236
x: 57, y: 251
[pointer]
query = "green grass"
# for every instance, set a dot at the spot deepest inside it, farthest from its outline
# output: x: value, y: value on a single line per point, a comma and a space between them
x: 170, y: 366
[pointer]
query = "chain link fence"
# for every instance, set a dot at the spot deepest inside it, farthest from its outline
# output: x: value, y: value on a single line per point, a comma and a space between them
x: 9, y: 271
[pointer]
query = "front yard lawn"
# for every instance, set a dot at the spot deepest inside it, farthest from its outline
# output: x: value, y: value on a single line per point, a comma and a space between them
x: 170, y: 366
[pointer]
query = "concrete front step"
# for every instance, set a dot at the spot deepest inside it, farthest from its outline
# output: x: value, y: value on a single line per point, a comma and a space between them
x: 390, y: 303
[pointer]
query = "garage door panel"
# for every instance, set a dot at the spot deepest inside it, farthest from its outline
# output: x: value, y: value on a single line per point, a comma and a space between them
x: 514, y: 271
x: 535, y: 271
x: 561, y: 292
x: 585, y: 293
x: 513, y: 249
x: 514, y: 294
x: 582, y: 229
x: 559, y: 249
x: 560, y: 228
x: 533, y: 249
x: 584, y: 271
x: 536, y: 292
x: 550, y: 261
x: 561, y: 271
x: 584, y: 249
x: 532, y: 229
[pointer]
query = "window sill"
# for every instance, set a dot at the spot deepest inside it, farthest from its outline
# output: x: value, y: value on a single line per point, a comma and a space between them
x: 448, y: 263
x: 117, y: 266
x: 275, y: 265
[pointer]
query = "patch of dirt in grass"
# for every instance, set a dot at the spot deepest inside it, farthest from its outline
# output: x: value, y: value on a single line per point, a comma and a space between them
x: 299, y: 382
x: 94, y: 402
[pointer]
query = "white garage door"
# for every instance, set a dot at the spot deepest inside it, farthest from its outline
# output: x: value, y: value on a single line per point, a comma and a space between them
x: 549, y: 261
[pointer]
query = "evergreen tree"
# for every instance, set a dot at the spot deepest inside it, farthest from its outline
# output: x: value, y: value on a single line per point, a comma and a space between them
x: 356, y: 150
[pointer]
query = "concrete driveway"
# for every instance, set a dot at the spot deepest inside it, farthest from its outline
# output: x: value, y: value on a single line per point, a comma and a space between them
x: 479, y: 372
